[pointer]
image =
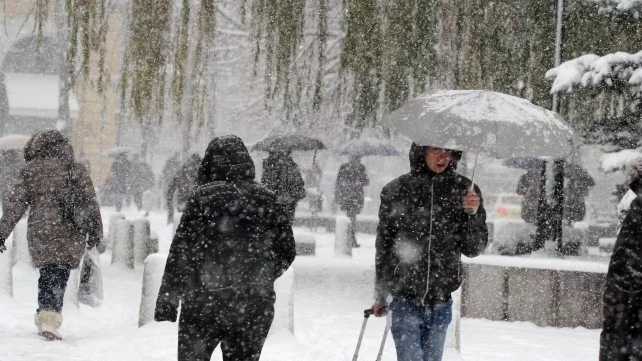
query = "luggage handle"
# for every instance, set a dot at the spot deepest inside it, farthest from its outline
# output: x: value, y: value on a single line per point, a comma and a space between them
x: 366, y: 314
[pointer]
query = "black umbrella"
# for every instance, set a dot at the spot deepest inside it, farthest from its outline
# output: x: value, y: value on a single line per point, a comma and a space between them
x: 367, y: 147
x: 287, y: 143
x: 571, y: 170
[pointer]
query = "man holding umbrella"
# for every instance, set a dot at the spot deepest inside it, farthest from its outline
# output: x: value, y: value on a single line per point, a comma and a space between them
x: 423, y: 230
x: 431, y: 216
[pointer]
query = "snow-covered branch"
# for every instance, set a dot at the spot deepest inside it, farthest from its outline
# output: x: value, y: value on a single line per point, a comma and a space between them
x: 592, y: 71
x: 633, y: 7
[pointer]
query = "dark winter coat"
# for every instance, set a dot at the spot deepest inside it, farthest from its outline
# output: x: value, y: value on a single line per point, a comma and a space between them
x: 233, y: 236
x: 622, y: 330
x: 120, y: 175
x: 348, y: 192
x: 282, y: 175
x: 142, y: 177
x: 40, y: 185
x: 528, y: 188
x: 423, y: 231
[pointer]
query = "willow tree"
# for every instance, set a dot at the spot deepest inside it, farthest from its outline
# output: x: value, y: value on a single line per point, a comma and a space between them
x: 163, y: 45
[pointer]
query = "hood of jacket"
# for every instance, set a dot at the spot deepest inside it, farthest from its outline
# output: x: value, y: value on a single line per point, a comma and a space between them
x: 226, y: 159
x: 418, y: 161
x: 49, y: 144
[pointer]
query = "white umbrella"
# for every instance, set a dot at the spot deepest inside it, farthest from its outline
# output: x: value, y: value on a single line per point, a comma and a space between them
x: 14, y: 141
x: 482, y: 121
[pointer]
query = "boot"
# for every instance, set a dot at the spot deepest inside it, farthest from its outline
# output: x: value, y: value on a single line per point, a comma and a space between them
x: 48, y: 323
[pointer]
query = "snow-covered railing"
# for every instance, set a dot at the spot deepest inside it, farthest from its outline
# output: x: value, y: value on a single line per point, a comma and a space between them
x: 6, y: 267
x: 305, y: 243
x: 342, y: 243
x: 547, y: 292
x: 153, y: 275
x: 123, y: 248
x: 20, y: 249
x: 111, y: 231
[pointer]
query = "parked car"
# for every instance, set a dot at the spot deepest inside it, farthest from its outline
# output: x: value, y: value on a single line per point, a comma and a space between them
x: 503, y: 205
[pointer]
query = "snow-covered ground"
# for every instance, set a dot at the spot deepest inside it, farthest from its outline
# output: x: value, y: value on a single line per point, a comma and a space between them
x: 327, y: 321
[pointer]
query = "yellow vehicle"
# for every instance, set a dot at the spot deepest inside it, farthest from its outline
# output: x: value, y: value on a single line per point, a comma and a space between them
x: 503, y: 205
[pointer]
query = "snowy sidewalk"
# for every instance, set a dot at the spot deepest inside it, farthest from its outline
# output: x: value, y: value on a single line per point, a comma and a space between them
x: 327, y: 322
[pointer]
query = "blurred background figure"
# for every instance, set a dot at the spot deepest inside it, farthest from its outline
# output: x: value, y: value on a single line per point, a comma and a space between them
x: 282, y: 175
x: 11, y: 162
x: 351, y: 179
x: 171, y: 168
x: 142, y: 179
x: 119, y: 180
x: 180, y: 187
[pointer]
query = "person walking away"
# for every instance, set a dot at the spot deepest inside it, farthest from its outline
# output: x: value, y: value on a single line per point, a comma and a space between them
x: 621, y: 337
x: 11, y: 162
x: 423, y: 231
x: 232, y: 243
x: 528, y: 188
x: 351, y: 179
x: 120, y: 178
x: 54, y: 244
x: 142, y: 179
x: 282, y: 175
x: 181, y: 186
x: 171, y: 168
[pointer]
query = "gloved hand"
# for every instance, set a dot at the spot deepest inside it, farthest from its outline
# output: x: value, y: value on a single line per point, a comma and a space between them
x: 92, y: 242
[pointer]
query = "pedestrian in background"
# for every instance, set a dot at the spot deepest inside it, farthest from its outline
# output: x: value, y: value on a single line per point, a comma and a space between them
x: 54, y: 244
x: 233, y: 242
x: 348, y: 192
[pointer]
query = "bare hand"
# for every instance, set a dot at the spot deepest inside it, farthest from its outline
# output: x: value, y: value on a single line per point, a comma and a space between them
x: 471, y: 201
x: 379, y: 309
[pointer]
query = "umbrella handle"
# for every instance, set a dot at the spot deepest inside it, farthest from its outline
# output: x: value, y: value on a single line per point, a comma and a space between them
x: 472, y: 183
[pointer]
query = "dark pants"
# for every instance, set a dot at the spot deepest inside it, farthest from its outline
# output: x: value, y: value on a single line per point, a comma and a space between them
x: 51, y: 287
x: 419, y: 331
x: 239, y: 325
x: 352, y: 233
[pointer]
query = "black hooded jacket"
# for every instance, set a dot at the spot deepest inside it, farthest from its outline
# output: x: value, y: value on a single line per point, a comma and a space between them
x: 423, y: 230
x: 622, y: 330
x: 232, y: 237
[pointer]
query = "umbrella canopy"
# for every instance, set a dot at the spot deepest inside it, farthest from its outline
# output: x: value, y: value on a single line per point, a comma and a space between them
x: 482, y: 121
x: 287, y: 143
x: 362, y: 147
x: 14, y: 141
x: 116, y: 151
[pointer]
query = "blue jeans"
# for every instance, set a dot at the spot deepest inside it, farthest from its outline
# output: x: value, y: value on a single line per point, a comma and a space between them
x: 419, y: 331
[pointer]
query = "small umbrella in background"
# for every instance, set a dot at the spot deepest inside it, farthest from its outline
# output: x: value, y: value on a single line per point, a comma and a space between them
x: 362, y: 147
x: 571, y: 170
x: 116, y: 151
x: 14, y: 141
x: 288, y: 143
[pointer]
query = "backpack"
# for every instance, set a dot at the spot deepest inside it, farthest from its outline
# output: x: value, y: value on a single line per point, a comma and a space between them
x: 76, y: 207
